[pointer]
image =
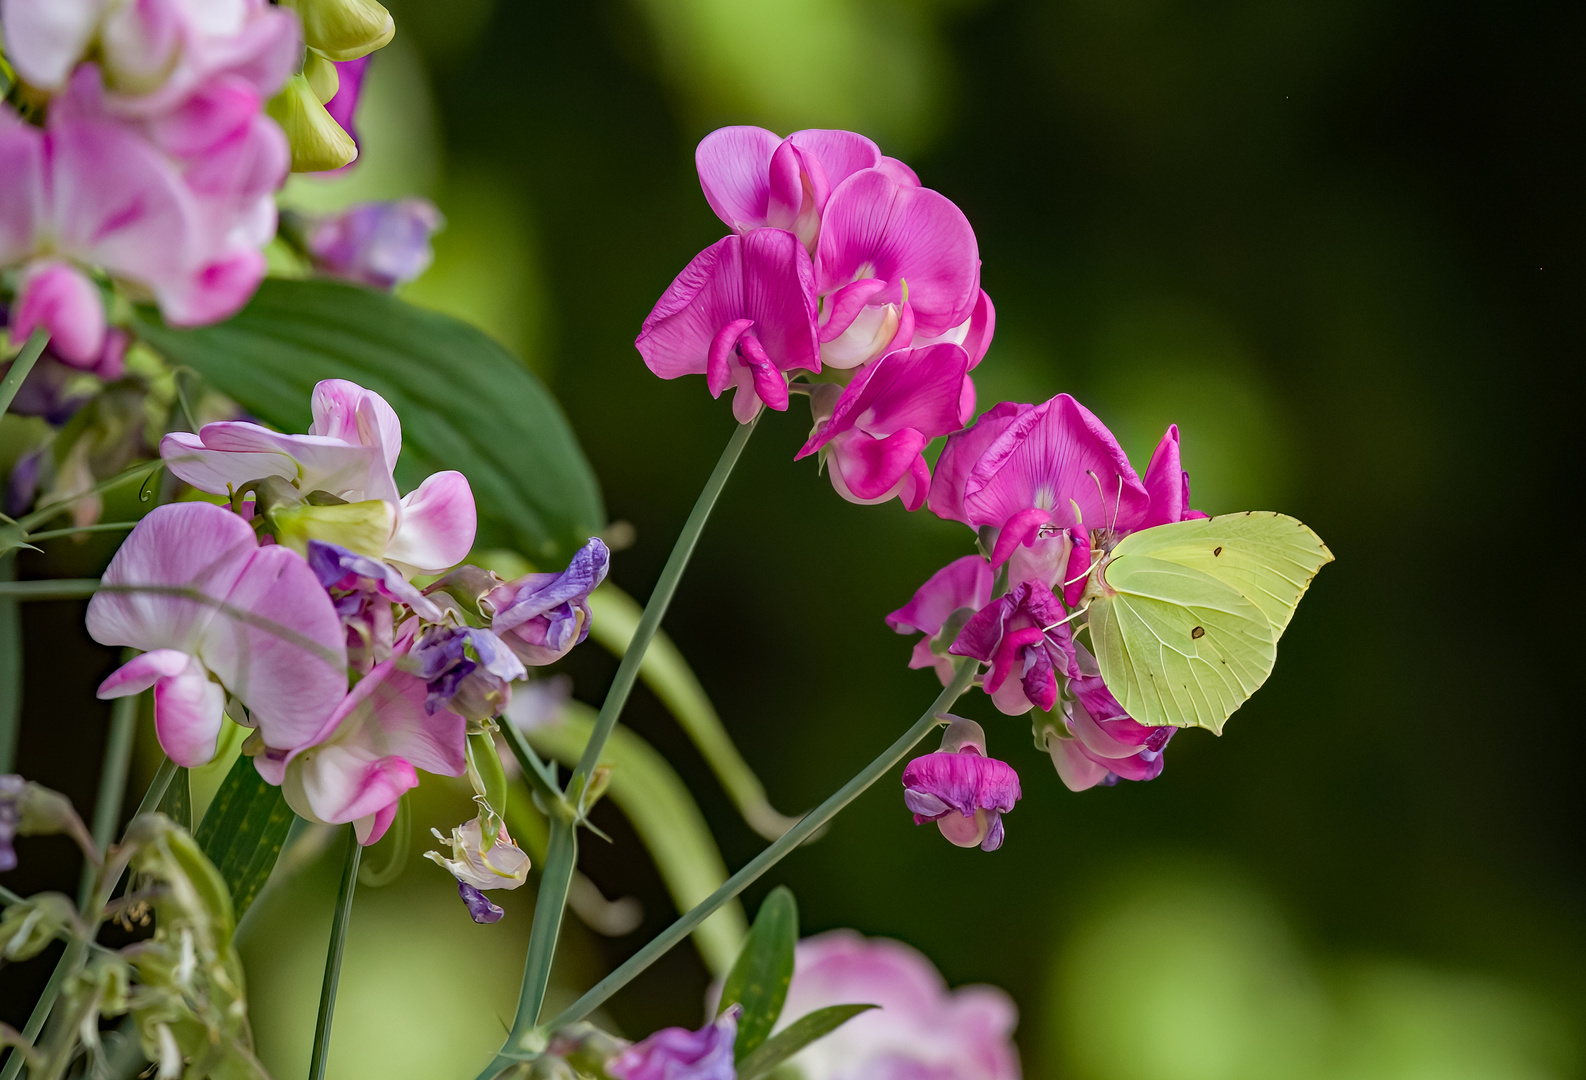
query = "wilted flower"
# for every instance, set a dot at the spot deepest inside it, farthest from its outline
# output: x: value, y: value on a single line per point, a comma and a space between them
x: 503, y: 866
x: 218, y: 603
x: 542, y: 616
x: 480, y: 907
x: 364, y: 590
x: 961, y: 789
x: 680, y: 1054
x: 29, y: 809
x: 922, y: 1030
x: 29, y: 926
x: 466, y: 669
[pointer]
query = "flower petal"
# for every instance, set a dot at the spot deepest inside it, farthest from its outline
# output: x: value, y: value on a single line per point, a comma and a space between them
x: 963, y: 583
x: 437, y: 527
x: 59, y: 298
x: 188, y: 709
x: 734, y: 165
x: 348, y: 413
x: 1166, y: 483
x: 961, y: 454
x: 46, y: 38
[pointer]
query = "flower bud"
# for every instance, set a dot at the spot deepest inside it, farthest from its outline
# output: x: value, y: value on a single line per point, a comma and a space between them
x: 322, y: 77
x: 29, y: 925
x: 344, y: 29
x: 318, y: 142
x: 363, y: 528
x: 960, y: 789
x: 29, y: 809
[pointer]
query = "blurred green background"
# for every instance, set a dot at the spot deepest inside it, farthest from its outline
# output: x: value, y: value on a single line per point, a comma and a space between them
x: 1335, y: 242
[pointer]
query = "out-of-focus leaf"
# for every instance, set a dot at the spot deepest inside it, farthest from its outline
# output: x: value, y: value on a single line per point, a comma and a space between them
x: 10, y: 670
x: 759, y: 980
x: 795, y: 1037
x: 243, y: 831
x: 657, y: 802
x: 465, y: 402
x: 177, y: 802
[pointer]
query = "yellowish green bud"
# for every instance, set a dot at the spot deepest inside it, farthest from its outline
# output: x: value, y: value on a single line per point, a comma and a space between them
x: 360, y: 527
x: 321, y: 76
x: 344, y: 29
x: 318, y: 142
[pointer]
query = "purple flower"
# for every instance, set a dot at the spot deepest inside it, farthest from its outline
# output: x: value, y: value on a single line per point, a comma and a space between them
x: 961, y: 789
x: 680, y: 1054
x: 12, y: 788
x: 480, y: 907
x: 1023, y: 634
x: 468, y: 670
x: 343, y: 105
x: 871, y: 437
x: 383, y: 244
x: 542, y: 616
x: 363, y: 590
x: 922, y: 1031
x: 742, y: 314
x: 939, y: 609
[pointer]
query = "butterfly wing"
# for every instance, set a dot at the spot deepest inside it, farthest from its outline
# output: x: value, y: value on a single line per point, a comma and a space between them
x: 1269, y: 558
x: 1176, y: 645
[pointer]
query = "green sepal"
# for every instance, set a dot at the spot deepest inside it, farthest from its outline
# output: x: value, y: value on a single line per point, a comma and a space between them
x: 760, y: 978
x: 795, y: 1037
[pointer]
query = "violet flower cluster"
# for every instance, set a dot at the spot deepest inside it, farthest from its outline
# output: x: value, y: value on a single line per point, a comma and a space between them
x: 262, y: 609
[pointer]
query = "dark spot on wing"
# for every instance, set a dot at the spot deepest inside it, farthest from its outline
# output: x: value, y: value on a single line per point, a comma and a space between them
x: 1198, y: 632
x: 1218, y: 550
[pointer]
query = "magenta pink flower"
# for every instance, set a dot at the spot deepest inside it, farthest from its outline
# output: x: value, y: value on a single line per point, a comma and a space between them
x: 939, y: 610
x: 1026, y: 638
x: 264, y: 628
x: 743, y: 315
x: 368, y: 752
x: 349, y: 452
x: 961, y: 789
x: 58, y: 297
x: 680, y: 1054
x: 343, y: 105
x: 922, y: 1031
x: 871, y: 439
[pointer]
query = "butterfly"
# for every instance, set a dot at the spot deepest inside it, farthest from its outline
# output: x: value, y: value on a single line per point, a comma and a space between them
x: 1187, y: 624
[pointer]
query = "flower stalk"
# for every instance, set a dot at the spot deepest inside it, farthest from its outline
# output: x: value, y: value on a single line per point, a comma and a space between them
x: 338, y: 943
x: 31, y: 351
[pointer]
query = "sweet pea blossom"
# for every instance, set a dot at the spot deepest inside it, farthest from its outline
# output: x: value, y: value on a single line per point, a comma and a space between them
x: 939, y: 610
x: 680, y: 1054
x: 349, y: 452
x: 480, y: 907
x: 503, y: 866
x: 961, y: 789
x: 465, y: 669
x: 922, y: 1031
x: 542, y: 616
x: 364, y: 590
x: 369, y: 751
x: 742, y: 314
x: 257, y: 621
x: 1026, y: 638
x: 871, y: 437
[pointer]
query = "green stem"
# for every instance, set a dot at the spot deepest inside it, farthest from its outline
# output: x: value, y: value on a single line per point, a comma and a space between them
x: 768, y: 858
x: 21, y: 366
x: 112, y: 780
x: 48, y: 589
x: 338, y: 942
x: 10, y: 666
x: 562, y: 851
x: 108, y: 526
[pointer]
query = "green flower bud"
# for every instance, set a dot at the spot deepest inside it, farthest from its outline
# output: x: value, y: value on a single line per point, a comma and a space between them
x: 344, y: 29
x: 318, y: 142
x: 361, y: 527
x: 321, y: 76
x: 30, y: 925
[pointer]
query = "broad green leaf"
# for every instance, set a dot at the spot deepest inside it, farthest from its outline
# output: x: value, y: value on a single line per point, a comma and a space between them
x: 795, y: 1037
x: 670, y: 826
x: 1189, y: 623
x: 465, y: 402
x: 243, y: 831
x: 759, y: 980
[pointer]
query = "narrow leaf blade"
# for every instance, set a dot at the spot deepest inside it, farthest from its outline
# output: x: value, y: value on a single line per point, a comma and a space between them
x: 759, y: 980
x: 243, y: 831
x: 795, y: 1037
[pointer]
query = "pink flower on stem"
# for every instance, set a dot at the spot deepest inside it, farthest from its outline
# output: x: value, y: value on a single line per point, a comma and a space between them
x: 743, y: 315
x: 349, y: 452
x: 368, y: 752
x: 939, y: 610
x: 872, y: 436
x: 680, y: 1054
x: 1100, y: 743
x: 262, y: 625
x: 961, y: 789
x: 1026, y: 638
x: 922, y: 1031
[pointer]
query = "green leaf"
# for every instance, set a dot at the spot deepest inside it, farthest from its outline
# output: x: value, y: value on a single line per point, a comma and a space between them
x: 243, y: 831
x: 795, y: 1037
x: 465, y: 402
x: 10, y: 670
x: 760, y: 978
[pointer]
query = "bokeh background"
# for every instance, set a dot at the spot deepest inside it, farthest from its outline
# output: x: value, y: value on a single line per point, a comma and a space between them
x: 1339, y: 244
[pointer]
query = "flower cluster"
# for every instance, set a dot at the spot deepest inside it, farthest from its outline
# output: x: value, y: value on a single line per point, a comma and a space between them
x: 1049, y: 492
x: 262, y: 609
x: 840, y: 268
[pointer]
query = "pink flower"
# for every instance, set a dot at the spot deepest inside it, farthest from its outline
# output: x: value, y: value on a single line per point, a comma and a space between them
x: 961, y: 789
x: 1025, y: 636
x: 1100, y: 743
x: 265, y: 629
x: 743, y: 315
x: 367, y: 753
x: 872, y: 437
x: 922, y: 1031
x: 349, y: 452
x: 542, y: 616
x: 680, y: 1054
x: 61, y: 299
x: 939, y: 610
x: 343, y: 105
